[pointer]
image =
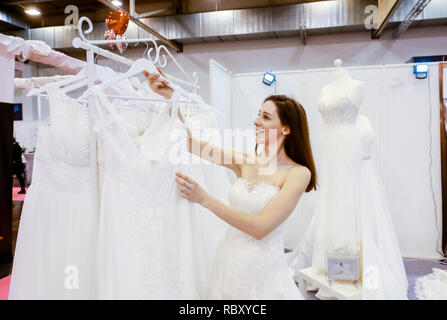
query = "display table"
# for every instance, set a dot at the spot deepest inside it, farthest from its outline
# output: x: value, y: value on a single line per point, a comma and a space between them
x: 342, y: 290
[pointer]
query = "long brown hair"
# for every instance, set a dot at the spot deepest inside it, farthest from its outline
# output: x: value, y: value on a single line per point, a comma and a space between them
x: 297, y: 142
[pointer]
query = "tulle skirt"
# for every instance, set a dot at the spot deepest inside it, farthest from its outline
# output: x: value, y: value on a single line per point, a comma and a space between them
x: 337, y: 213
x: 352, y: 218
x: 249, y: 269
x: 55, y: 255
x: 432, y: 286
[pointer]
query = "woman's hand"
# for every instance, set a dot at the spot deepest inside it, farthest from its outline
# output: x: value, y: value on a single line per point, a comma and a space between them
x: 190, y: 189
x: 158, y: 85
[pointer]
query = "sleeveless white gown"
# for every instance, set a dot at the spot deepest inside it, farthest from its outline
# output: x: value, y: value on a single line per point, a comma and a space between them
x: 248, y: 269
x: 351, y: 216
x: 56, y: 243
x: 148, y: 247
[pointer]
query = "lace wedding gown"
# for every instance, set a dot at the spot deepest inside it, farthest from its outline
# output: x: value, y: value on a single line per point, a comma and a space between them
x: 432, y: 286
x: 148, y: 247
x: 351, y: 216
x: 55, y: 255
x: 248, y: 269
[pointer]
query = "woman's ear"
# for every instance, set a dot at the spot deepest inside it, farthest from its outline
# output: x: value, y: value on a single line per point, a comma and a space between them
x: 285, y: 131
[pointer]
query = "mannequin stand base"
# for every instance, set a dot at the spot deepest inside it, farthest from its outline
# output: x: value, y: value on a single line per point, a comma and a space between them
x: 334, y: 289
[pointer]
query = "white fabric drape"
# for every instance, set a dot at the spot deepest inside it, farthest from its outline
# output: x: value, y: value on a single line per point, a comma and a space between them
x: 7, y: 87
x: 37, y: 51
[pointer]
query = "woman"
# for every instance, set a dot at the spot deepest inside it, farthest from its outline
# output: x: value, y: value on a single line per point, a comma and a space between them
x: 250, y: 262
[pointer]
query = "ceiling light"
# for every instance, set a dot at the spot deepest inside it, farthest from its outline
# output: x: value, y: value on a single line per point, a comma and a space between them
x: 117, y: 3
x: 268, y: 78
x: 32, y: 12
x: 421, y: 71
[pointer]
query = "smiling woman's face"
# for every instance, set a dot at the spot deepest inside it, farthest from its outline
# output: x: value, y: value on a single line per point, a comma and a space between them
x: 268, y: 125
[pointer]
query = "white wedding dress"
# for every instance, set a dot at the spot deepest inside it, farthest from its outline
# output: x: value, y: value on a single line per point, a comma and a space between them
x: 351, y: 216
x: 148, y: 244
x: 432, y: 286
x: 55, y: 255
x: 248, y: 269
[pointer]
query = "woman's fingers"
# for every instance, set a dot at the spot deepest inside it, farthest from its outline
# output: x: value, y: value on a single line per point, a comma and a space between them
x: 182, y: 182
x: 165, y: 82
x: 161, y: 71
x: 185, y: 177
x: 151, y: 76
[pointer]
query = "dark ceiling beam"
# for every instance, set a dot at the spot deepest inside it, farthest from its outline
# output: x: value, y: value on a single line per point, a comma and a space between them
x: 178, y: 6
x: 176, y: 46
x: 8, y: 19
x: 388, y: 15
x: 15, y: 2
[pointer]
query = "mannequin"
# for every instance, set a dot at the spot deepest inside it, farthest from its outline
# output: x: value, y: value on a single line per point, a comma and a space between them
x: 351, y: 217
x: 343, y: 84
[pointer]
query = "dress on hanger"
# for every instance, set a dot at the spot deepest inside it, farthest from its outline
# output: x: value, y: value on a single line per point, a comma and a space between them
x: 245, y: 268
x: 147, y: 245
x: 351, y: 216
x: 214, y: 179
x: 55, y: 255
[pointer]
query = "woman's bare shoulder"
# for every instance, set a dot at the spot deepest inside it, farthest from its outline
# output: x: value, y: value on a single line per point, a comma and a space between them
x: 298, y: 171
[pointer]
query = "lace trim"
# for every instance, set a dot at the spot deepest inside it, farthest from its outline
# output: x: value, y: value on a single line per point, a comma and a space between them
x: 339, y: 111
x: 432, y: 286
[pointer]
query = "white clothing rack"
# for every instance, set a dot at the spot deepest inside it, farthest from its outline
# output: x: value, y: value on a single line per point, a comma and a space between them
x: 84, y: 43
x: 91, y: 49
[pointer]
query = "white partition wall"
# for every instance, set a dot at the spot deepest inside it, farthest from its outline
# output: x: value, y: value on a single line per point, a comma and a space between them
x: 220, y: 92
x: 413, y: 161
x: 404, y: 113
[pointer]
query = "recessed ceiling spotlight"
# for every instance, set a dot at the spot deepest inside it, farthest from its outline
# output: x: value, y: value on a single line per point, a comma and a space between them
x: 32, y: 11
x: 117, y: 3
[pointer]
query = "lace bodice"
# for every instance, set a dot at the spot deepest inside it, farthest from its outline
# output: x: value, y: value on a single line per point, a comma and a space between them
x: 62, y: 152
x: 340, y: 110
x: 69, y: 129
x: 252, y: 200
x: 247, y: 268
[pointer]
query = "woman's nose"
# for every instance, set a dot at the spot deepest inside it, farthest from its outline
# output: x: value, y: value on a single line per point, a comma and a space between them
x: 257, y: 122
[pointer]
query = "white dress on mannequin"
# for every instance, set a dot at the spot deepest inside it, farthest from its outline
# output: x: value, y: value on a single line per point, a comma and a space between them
x: 338, y: 222
x: 248, y: 269
x: 351, y: 217
x: 55, y: 255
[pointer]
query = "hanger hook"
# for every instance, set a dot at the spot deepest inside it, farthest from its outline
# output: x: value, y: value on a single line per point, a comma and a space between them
x: 150, y: 50
x: 147, y: 48
x: 89, y: 30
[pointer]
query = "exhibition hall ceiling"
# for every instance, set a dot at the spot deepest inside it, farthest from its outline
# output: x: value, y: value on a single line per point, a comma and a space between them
x: 52, y: 11
x: 178, y: 22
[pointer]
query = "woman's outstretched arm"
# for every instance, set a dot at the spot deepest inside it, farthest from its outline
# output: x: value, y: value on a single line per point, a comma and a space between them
x: 228, y: 158
x: 275, y: 212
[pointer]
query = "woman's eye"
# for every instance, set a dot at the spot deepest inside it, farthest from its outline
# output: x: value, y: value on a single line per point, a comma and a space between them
x: 265, y: 117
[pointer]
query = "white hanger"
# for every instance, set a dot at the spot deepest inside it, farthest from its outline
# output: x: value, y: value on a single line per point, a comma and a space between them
x: 79, y: 76
x: 137, y: 67
x: 102, y: 74
x: 81, y: 79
